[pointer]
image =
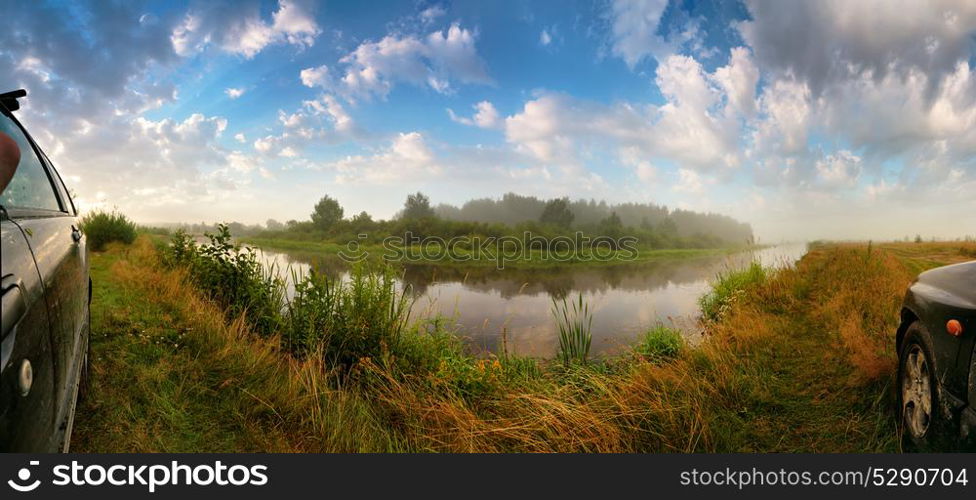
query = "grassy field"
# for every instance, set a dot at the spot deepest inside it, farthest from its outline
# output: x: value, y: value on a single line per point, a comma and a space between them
x: 795, y: 360
x: 466, y: 258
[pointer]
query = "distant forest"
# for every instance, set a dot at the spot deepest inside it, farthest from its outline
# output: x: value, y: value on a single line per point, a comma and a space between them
x: 513, y: 209
x: 654, y: 226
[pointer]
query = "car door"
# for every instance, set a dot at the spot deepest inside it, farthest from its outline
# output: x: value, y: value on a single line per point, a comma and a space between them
x: 40, y: 206
x: 29, y: 404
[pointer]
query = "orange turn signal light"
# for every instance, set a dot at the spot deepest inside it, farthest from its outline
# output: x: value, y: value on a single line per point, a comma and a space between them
x: 954, y: 327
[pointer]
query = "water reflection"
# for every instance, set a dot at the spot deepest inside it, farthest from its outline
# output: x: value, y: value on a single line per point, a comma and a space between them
x: 512, y: 307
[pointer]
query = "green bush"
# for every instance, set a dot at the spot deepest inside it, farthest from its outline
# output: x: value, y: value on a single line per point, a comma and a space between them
x: 727, y: 288
x: 231, y: 276
x: 659, y: 343
x: 344, y: 321
x: 102, y: 228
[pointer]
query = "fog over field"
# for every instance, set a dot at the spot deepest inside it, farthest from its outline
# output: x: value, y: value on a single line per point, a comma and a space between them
x: 828, y: 119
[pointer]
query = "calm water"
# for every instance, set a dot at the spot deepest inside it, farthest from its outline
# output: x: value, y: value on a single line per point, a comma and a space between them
x: 513, y: 307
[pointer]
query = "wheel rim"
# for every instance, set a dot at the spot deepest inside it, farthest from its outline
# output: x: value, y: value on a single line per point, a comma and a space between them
x: 916, y: 392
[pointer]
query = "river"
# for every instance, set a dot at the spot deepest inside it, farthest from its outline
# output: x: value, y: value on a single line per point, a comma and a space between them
x: 511, y: 309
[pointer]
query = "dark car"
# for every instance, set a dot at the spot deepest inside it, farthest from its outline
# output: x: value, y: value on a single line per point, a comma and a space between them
x: 46, y: 295
x: 936, y: 362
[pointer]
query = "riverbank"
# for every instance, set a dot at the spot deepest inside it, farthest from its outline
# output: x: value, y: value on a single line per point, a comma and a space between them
x: 799, y: 360
x: 466, y: 258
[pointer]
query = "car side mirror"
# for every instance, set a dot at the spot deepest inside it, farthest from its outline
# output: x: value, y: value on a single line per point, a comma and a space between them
x: 9, y: 159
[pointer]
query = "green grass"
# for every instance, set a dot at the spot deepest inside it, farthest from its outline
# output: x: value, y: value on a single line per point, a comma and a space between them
x: 660, y: 343
x: 467, y: 258
x: 727, y: 287
x: 150, y: 390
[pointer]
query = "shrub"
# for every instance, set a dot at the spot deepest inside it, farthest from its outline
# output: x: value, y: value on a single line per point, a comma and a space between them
x: 660, y: 343
x: 231, y: 276
x: 103, y: 228
x: 727, y: 288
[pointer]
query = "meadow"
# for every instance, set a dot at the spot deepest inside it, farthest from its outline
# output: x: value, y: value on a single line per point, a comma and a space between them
x: 195, y: 349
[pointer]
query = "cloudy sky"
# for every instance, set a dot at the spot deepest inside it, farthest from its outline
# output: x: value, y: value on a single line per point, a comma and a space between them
x: 808, y: 119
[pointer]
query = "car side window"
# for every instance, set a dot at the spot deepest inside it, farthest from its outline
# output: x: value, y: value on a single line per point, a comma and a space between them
x: 30, y: 187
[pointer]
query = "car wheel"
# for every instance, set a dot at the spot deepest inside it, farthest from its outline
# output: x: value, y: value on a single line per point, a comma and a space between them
x: 923, y: 428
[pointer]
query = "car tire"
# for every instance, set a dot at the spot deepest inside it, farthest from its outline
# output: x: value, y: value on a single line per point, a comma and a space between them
x: 922, y: 424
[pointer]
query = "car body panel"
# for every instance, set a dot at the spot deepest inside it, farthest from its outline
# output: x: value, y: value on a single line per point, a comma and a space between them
x: 51, y: 242
x: 63, y: 267
x: 27, y: 423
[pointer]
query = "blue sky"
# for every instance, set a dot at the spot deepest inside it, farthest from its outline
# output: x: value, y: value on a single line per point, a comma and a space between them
x: 807, y: 119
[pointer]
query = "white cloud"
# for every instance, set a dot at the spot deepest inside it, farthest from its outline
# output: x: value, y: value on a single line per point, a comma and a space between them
x: 839, y: 170
x: 265, y: 144
x: 486, y: 116
x: 643, y: 169
x: 739, y: 80
x: 689, y: 129
x: 430, y: 14
x: 234, y: 93
x: 316, y: 77
x: 374, y: 68
x: 407, y: 158
x: 329, y: 106
x: 240, y: 137
x: 239, y: 28
x: 688, y: 182
x: 787, y: 114
x: 545, y: 38
x: 692, y: 128
x: 634, y: 29
x: 291, y: 120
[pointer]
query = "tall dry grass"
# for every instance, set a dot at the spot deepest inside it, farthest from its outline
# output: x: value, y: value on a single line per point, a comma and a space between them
x: 284, y: 404
x: 857, y: 292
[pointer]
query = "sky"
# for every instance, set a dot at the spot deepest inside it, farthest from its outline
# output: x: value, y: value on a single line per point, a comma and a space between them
x: 807, y: 119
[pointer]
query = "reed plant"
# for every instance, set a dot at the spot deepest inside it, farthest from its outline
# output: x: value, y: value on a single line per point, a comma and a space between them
x: 574, y: 322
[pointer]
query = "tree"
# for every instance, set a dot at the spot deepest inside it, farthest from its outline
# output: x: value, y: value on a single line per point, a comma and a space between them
x: 274, y: 225
x: 327, y: 213
x: 557, y: 213
x: 611, y: 226
x: 362, y: 218
x: 417, y: 206
x: 668, y: 227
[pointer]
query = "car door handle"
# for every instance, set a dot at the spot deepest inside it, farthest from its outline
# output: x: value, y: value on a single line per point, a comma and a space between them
x: 75, y: 234
x: 13, y: 305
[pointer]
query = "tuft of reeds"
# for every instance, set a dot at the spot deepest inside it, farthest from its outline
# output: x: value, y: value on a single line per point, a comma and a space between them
x: 574, y: 322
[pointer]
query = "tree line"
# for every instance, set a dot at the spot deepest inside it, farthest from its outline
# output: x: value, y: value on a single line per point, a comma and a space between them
x: 654, y: 226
